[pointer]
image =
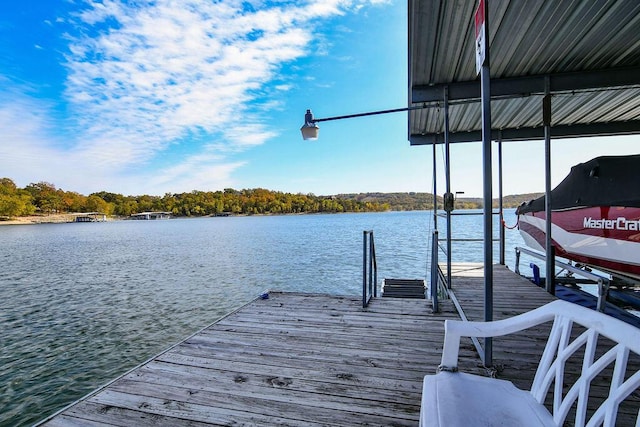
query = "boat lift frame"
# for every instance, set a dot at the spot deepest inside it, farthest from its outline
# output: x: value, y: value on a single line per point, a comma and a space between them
x: 602, y: 282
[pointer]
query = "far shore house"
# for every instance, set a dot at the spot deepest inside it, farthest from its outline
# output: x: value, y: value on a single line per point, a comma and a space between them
x: 151, y: 215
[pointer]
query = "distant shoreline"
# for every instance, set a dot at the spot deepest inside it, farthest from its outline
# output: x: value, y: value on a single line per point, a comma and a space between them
x: 45, y: 219
x: 71, y: 218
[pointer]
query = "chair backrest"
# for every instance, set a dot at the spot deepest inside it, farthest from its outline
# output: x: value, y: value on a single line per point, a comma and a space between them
x: 565, y: 340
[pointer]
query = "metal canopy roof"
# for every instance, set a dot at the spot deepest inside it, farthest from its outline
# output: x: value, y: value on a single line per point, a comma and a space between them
x: 587, y: 51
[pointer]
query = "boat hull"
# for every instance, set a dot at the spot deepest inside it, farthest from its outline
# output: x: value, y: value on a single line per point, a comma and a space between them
x: 605, y: 237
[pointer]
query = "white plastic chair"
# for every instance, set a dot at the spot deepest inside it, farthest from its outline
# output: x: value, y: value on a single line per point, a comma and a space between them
x: 452, y: 398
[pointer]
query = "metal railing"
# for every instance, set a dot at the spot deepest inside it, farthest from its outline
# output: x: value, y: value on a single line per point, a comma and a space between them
x: 435, y: 280
x: 603, y: 282
x: 447, y: 249
x: 438, y: 288
x: 369, y: 268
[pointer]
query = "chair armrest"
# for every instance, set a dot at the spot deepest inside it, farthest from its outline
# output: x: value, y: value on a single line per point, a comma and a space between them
x: 455, y: 329
x: 563, y: 342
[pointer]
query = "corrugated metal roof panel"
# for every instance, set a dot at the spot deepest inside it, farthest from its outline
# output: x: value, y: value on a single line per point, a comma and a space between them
x: 528, y: 38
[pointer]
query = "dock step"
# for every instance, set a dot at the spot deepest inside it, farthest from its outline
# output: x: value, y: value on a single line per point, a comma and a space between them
x: 403, y: 288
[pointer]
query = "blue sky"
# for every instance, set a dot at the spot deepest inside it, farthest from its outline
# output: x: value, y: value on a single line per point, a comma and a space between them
x: 150, y: 97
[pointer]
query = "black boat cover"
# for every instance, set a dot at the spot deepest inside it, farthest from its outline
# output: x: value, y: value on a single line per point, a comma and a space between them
x: 603, y: 181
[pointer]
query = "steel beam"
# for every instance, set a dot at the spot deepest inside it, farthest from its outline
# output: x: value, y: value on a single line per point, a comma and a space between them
x: 530, y: 85
x: 630, y: 127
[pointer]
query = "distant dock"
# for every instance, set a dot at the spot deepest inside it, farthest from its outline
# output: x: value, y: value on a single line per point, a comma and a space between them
x: 151, y: 215
x: 90, y: 217
x: 307, y: 359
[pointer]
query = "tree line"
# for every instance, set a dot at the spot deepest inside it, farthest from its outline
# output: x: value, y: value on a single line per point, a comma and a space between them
x: 424, y: 201
x: 45, y: 198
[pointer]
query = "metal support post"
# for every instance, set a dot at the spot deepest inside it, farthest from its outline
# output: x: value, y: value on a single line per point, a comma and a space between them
x: 435, y: 189
x: 546, y: 119
x: 485, y: 80
x: 603, y: 291
x: 447, y: 166
x: 501, y: 205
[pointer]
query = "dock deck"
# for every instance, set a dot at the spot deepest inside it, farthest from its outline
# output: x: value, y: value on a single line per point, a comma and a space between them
x: 306, y: 359
x: 292, y: 359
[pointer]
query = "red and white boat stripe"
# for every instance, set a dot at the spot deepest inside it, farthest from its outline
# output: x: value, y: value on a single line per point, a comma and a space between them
x: 603, y: 237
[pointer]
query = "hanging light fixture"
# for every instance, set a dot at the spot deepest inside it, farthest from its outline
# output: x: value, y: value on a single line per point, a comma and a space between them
x: 310, y: 128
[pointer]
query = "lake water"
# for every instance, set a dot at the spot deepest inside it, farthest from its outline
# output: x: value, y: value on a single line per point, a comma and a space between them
x: 80, y: 304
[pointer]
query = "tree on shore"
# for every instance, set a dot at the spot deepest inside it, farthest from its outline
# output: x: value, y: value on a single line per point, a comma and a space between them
x: 43, y: 197
x: 14, y: 201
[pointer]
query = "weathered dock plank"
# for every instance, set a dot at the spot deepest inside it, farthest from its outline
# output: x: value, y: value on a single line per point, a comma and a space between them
x: 292, y: 359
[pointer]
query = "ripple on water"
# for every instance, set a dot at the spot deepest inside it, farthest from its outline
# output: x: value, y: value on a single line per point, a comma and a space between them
x: 83, y: 303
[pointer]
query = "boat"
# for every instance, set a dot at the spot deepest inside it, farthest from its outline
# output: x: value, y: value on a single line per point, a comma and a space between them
x: 595, y: 215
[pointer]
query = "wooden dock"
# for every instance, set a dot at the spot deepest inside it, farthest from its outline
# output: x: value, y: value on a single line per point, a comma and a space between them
x: 308, y: 360
x: 292, y: 359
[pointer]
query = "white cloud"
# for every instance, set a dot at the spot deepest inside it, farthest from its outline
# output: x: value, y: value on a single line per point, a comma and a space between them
x: 195, y: 173
x: 162, y: 70
x: 145, y: 76
x: 30, y: 153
